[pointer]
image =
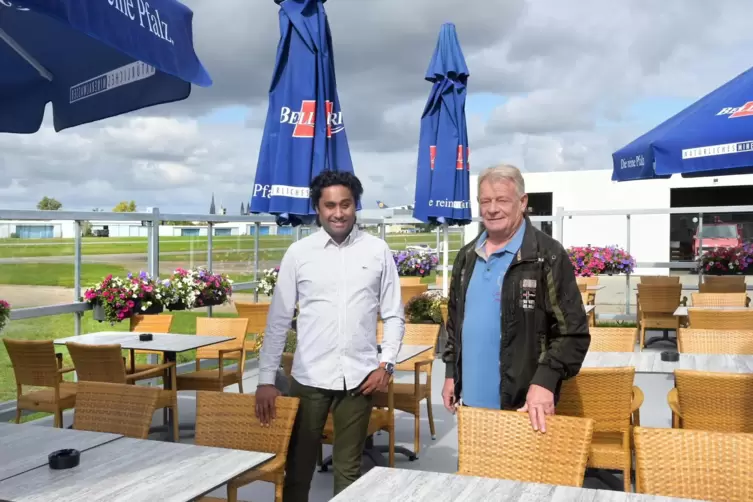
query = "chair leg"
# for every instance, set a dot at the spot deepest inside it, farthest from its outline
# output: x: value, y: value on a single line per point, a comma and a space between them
x: 643, y: 335
x: 628, y: 482
x: 59, y: 419
x: 430, y: 413
x: 279, y: 485
x: 176, y: 423
x: 240, y: 385
x: 232, y: 493
x: 391, y: 457
x: 417, y: 427
x: 18, y: 415
x: 637, y: 418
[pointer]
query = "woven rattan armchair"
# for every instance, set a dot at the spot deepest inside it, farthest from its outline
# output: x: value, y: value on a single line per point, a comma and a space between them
x: 256, y: 313
x: 720, y: 319
x: 721, y: 402
x: 103, y: 363
x: 148, y: 324
x: 225, y: 420
x: 115, y: 408
x: 719, y: 299
x: 36, y: 364
x: 654, y: 280
x: 589, y: 281
x: 409, y: 292
x: 606, y: 396
x: 723, y: 284
x: 658, y: 304
x: 233, y: 350
x: 502, y: 444
x: 410, y: 281
x: 698, y: 465
x: 408, y: 396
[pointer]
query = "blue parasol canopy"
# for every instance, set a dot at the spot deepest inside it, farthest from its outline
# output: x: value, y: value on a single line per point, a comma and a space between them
x: 92, y: 59
x: 443, y: 172
x: 304, y: 133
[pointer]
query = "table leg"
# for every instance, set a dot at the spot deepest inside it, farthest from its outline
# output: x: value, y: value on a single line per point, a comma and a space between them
x: 664, y: 338
x: 371, y: 452
x: 170, y: 357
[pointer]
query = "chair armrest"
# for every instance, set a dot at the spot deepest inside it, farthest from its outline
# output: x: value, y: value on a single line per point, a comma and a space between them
x: 59, y: 358
x: 674, y: 402
x: 65, y: 370
x: 151, y: 372
x: 223, y: 352
x: 638, y: 398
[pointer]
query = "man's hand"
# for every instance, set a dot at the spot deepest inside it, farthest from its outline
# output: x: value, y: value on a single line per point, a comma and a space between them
x: 539, y: 403
x: 377, y: 381
x: 265, y: 403
x: 448, y: 395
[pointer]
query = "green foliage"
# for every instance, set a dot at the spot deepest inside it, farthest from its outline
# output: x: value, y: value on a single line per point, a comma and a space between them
x: 125, y: 207
x: 424, y: 308
x: 49, y: 204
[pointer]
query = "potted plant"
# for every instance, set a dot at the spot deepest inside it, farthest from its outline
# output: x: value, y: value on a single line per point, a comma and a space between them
x: 593, y: 260
x: 425, y: 308
x: 116, y: 299
x: 4, y: 313
x: 214, y: 289
x: 412, y: 262
x: 726, y: 260
x: 267, y: 282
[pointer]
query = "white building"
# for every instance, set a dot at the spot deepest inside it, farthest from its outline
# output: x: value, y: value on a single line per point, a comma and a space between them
x: 650, y: 237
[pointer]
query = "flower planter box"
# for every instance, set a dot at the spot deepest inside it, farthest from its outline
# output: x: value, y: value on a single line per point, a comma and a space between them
x: 98, y: 312
x: 176, y: 306
x: 156, y: 308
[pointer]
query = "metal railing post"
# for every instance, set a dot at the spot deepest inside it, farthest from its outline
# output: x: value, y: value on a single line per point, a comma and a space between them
x: 700, y: 249
x: 383, y: 231
x: 559, y: 231
x: 77, y: 276
x: 627, y: 276
x: 257, y: 229
x: 153, y: 252
x: 210, y: 234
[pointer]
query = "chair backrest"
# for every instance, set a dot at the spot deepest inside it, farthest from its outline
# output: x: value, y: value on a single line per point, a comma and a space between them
x: 234, y: 327
x: 287, y: 363
x: 410, y: 281
x: 256, y: 313
x: 583, y: 288
x: 444, y: 310
x: 152, y: 323
x: 115, y: 408
x: 723, y: 284
x: 98, y: 363
x: 660, y: 279
x: 720, y: 319
x: 228, y: 420
x: 698, y: 465
x: 415, y: 334
x: 720, y: 402
x: 715, y: 341
x: 409, y: 292
x: 659, y: 298
x: 34, y: 362
x: 502, y: 444
x: 602, y: 394
x: 719, y: 299
x: 588, y: 281
x: 612, y: 339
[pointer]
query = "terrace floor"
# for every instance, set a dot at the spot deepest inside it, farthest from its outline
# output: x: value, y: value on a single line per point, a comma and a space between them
x: 439, y: 455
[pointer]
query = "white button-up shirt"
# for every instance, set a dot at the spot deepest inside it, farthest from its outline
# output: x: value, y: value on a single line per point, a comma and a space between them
x: 339, y: 290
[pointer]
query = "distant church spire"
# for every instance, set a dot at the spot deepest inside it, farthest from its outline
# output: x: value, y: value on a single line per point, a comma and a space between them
x: 212, y: 210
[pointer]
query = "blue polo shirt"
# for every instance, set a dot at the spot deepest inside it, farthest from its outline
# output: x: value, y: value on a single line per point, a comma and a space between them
x: 481, y: 341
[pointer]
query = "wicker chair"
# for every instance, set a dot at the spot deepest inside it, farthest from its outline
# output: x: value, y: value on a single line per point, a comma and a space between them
x: 115, y: 408
x: 720, y: 319
x: 723, y: 284
x: 233, y: 350
x: 719, y: 299
x: 699, y: 465
x: 654, y: 280
x: 409, y: 292
x: 715, y: 341
x: 36, y: 364
x: 606, y: 396
x: 727, y: 408
x: 658, y: 304
x: 148, y: 324
x: 256, y: 313
x: 618, y: 340
x: 408, y: 396
x: 225, y: 420
x: 590, y: 298
x: 410, y: 281
x: 585, y: 296
x: 502, y: 444
x: 103, y: 363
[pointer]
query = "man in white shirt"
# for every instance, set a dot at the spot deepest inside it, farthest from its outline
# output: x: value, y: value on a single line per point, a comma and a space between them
x: 341, y: 279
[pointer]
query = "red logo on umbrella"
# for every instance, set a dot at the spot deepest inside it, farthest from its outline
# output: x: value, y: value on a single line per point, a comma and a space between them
x: 305, y: 119
x: 458, y: 164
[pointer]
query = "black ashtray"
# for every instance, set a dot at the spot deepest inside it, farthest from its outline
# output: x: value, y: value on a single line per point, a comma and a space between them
x: 670, y: 356
x: 64, y: 459
x: 146, y: 337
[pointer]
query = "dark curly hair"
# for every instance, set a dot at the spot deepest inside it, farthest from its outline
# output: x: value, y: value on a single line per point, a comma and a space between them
x: 329, y: 178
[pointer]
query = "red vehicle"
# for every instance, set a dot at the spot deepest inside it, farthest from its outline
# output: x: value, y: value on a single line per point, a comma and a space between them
x: 717, y: 235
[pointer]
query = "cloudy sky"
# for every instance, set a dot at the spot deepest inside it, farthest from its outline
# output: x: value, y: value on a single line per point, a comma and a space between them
x: 554, y: 86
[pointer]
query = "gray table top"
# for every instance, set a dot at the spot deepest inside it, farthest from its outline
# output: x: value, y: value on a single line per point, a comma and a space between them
x: 162, y: 342
x: 694, y: 287
x: 26, y: 447
x: 650, y: 362
x: 134, y: 470
x: 589, y: 308
x: 410, y: 351
x: 381, y: 484
x: 683, y: 311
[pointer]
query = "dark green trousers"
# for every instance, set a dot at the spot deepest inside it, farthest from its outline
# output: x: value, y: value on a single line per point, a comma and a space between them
x: 351, y: 416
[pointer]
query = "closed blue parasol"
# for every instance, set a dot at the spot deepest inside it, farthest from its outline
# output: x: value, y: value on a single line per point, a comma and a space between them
x: 712, y: 137
x: 442, y: 178
x: 304, y: 133
x: 92, y: 59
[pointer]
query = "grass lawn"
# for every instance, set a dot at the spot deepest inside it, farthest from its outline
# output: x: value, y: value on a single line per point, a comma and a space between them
x: 61, y: 326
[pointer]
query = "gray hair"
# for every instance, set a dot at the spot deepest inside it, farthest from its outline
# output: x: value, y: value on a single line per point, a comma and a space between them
x: 503, y: 172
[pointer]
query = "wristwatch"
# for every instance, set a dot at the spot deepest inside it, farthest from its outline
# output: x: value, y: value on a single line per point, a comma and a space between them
x: 388, y: 367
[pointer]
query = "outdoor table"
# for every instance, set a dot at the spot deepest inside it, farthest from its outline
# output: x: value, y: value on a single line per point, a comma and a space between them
x: 26, y: 447
x: 589, y: 308
x: 134, y: 470
x: 694, y: 287
x: 372, y: 451
x: 683, y: 311
x: 651, y: 363
x: 167, y: 343
x: 381, y: 484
